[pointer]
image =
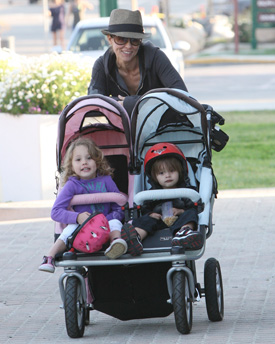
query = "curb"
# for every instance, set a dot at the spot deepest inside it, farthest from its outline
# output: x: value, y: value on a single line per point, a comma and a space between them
x: 228, y: 59
x: 12, y: 211
x: 25, y: 210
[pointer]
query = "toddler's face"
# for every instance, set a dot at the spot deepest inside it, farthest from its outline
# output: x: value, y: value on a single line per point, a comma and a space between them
x: 166, y: 178
x: 83, y: 164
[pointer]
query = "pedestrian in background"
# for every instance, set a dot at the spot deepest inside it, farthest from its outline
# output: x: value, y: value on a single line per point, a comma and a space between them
x: 77, y: 9
x: 57, y: 12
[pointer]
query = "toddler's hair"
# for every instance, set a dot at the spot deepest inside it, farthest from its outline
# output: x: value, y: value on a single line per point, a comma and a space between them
x: 171, y: 164
x: 103, y: 168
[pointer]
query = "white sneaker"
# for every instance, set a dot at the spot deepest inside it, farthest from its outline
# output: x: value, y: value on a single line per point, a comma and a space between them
x: 116, y: 249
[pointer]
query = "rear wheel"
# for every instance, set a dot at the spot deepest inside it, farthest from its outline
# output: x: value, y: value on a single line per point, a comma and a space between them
x: 182, y: 303
x: 75, y: 312
x: 213, y: 290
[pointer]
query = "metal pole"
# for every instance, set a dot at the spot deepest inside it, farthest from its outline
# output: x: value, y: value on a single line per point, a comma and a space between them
x: 254, y: 19
x: 166, y: 11
x: 46, y: 23
x: 134, y: 5
x: 236, y: 27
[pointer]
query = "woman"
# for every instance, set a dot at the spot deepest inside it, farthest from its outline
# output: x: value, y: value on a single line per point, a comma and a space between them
x: 130, y: 68
x: 57, y: 12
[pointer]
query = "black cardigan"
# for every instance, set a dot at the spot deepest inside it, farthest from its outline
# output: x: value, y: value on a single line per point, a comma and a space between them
x: 157, y: 72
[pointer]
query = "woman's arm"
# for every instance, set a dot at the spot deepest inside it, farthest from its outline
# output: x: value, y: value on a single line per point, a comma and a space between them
x: 98, y: 84
x: 166, y: 73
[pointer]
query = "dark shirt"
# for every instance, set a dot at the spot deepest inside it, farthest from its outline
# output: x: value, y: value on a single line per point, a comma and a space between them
x: 156, y: 72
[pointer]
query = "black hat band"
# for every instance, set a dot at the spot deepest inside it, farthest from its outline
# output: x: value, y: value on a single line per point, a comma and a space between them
x: 125, y: 28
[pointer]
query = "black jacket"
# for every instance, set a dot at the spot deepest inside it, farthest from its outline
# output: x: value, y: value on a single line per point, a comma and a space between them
x: 157, y: 72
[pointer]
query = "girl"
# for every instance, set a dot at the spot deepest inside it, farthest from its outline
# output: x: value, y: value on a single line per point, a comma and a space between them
x: 85, y: 171
x: 166, y: 167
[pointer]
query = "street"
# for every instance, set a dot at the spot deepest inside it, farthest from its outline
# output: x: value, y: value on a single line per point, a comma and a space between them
x: 235, y: 87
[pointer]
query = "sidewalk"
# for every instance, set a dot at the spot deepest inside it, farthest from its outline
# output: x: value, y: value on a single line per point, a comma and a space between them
x: 242, y: 241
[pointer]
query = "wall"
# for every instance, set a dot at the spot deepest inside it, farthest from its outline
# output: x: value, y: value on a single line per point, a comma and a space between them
x: 28, y: 157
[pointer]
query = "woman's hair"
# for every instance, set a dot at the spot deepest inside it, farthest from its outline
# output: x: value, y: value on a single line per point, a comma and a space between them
x: 171, y: 164
x: 103, y: 168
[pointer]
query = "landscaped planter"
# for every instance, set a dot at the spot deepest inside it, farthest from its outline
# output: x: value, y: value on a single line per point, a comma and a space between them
x: 28, y: 157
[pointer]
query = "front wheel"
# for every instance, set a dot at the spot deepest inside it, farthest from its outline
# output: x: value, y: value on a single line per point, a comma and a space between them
x: 75, y: 312
x: 213, y: 290
x: 182, y: 303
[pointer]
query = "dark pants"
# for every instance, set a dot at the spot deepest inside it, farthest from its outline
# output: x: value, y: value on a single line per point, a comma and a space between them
x: 150, y: 224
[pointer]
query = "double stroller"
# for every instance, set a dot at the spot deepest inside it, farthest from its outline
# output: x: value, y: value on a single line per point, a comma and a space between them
x: 159, y: 281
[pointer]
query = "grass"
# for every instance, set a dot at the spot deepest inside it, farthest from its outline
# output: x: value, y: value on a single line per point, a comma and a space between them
x: 248, y: 159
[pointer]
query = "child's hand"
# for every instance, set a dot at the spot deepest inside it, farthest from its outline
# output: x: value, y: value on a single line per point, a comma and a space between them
x: 82, y: 217
x: 155, y: 216
x: 121, y: 99
x: 177, y: 212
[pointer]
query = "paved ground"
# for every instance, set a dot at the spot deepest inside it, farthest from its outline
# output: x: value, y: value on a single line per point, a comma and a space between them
x: 243, y: 242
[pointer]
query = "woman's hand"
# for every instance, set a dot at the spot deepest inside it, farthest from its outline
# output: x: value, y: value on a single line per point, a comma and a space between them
x: 156, y: 216
x: 177, y: 212
x: 121, y: 99
x: 82, y: 217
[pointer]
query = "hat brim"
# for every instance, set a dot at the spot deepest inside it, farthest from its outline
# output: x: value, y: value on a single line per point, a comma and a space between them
x: 127, y: 34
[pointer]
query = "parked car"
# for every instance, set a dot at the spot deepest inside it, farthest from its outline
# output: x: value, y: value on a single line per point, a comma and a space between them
x: 88, y: 39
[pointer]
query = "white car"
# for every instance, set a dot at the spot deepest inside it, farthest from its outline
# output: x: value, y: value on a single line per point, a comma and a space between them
x: 88, y: 39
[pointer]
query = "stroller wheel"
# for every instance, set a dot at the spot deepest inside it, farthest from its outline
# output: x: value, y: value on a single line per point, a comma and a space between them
x: 213, y: 290
x: 182, y: 303
x: 75, y: 312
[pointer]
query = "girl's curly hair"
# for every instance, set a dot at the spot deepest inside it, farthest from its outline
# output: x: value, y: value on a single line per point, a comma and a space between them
x: 103, y: 168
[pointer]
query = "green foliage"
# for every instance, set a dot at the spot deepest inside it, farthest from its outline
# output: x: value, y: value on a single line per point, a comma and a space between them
x: 248, y: 160
x: 41, y: 85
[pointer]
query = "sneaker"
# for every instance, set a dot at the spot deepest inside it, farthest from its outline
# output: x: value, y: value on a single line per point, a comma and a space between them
x: 131, y: 236
x: 188, y: 239
x: 116, y: 249
x: 47, y: 264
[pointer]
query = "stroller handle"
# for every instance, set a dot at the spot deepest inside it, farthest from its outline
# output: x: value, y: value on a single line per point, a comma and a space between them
x: 142, y: 196
x: 102, y: 197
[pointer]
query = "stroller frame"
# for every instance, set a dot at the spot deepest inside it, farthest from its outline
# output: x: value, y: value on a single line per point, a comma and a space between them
x: 182, y: 288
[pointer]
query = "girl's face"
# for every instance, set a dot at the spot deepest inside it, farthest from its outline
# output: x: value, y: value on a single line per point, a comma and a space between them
x: 167, y: 178
x: 82, y: 163
x: 125, y: 53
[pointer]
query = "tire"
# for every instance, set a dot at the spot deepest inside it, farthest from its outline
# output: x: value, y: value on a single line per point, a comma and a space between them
x: 213, y: 290
x: 183, y: 308
x: 75, y: 312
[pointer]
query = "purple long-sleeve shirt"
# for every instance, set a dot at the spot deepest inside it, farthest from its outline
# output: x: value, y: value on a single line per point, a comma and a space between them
x: 75, y: 186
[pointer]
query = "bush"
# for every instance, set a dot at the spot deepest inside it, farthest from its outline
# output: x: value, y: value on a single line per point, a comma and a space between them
x: 41, y: 85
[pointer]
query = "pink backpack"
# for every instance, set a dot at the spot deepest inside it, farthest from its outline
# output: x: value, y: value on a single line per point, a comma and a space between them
x: 91, y: 235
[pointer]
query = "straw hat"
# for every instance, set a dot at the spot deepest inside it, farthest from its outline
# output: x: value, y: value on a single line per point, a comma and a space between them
x: 125, y: 23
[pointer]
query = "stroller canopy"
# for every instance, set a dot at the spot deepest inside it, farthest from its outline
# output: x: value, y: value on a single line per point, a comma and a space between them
x: 167, y: 115
x: 99, y: 117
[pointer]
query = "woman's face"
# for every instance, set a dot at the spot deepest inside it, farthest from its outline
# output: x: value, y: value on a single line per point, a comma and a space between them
x: 125, y: 53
